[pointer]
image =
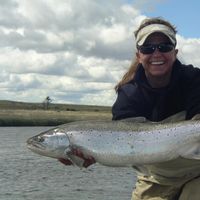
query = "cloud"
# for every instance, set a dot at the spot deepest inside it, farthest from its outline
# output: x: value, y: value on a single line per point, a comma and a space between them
x: 189, y: 50
x: 72, y: 52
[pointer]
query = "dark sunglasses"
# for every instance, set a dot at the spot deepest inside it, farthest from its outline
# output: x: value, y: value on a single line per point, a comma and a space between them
x: 150, y: 48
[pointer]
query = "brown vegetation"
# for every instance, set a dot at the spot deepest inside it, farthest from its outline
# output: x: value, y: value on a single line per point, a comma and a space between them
x: 33, y: 114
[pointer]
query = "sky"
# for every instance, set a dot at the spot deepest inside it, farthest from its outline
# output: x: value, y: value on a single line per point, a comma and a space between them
x: 76, y: 51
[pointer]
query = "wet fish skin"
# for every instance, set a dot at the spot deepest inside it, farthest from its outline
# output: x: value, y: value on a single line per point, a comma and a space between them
x: 120, y: 143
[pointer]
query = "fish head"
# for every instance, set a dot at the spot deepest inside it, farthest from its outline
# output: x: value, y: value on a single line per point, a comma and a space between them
x: 52, y: 143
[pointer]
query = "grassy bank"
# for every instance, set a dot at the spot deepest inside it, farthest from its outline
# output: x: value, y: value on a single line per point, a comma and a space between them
x: 33, y: 114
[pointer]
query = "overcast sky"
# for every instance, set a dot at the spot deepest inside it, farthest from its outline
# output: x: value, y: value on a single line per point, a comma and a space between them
x: 74, y: 51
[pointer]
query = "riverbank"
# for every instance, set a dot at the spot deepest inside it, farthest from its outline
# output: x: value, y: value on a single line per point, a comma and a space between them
x: 30, y: 114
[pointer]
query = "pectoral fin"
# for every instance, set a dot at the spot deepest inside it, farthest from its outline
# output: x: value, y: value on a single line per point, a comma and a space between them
x: 175, y: 118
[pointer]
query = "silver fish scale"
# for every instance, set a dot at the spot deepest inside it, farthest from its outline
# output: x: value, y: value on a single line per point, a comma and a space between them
x: 126, y: 143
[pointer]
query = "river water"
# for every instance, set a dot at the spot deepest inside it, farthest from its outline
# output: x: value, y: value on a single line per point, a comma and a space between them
x: 28, y: 176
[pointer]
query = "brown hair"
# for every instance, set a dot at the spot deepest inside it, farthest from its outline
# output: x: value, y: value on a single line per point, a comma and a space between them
x: 129, y: 75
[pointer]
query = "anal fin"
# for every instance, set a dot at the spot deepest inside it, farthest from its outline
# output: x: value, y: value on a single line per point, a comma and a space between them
x: 192, y: 153
x: 141, y: 169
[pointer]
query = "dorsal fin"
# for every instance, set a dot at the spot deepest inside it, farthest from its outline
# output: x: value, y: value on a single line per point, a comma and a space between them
x: 135, y: 119
x: 196, y: 117
x: 180, y: 116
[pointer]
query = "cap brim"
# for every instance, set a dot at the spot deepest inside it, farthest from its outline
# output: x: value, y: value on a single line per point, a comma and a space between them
x: 144, y: 33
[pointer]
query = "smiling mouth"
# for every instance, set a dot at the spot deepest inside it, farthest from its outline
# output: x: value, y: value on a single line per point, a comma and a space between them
x: 157, y: 62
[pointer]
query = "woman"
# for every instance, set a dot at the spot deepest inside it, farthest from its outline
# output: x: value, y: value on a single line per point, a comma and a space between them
x: 156, y: 86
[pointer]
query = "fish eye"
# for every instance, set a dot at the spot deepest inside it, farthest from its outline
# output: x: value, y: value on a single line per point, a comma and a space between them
x: 40, y: 139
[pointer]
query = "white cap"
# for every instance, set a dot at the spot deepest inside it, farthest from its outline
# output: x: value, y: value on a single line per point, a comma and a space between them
x: 152, y: 28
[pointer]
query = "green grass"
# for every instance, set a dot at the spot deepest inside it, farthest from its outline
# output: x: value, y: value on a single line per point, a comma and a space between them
x: 33, y: 114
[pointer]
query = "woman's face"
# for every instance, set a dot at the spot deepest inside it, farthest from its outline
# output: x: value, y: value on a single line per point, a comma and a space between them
x: 157, y: 64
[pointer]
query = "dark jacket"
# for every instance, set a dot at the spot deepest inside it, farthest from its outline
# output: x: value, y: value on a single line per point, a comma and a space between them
x: 138, y: 98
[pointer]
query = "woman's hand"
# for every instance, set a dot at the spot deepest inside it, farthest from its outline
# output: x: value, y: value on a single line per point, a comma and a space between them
x: 87, y: 160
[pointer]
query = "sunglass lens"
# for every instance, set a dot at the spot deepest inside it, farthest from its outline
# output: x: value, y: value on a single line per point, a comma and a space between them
x: 149, y: 49
x: 165, y: 47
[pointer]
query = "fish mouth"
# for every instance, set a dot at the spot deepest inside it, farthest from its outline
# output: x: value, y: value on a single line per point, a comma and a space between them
x: 37, y: 148
x: 33, y: 144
